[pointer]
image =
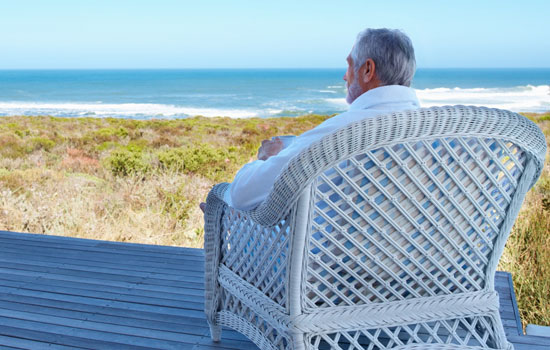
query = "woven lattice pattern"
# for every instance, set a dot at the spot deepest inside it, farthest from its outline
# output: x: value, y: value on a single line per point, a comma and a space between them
x: 410, y: 220
x: 270, y: 334
x: 385, y: 234
x: 257, y: 254
x: 470, y: 331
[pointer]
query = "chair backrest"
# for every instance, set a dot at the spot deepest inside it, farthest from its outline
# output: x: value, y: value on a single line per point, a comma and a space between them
x: 412, y: 204
x: 413, y: 219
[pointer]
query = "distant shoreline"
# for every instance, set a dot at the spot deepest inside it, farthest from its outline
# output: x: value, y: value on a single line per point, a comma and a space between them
x: 242, y: 93
x: 160, y: 118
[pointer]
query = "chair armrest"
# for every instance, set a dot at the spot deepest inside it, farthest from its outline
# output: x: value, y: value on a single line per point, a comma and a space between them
x: 212, y: 220
x: 217, y: 192
x: 258, y: 254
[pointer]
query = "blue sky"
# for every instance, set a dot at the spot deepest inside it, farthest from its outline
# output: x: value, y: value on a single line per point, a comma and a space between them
x: 260, y: 34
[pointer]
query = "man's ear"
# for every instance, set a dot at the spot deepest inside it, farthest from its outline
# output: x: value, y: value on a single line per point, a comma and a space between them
x: 370, y: 68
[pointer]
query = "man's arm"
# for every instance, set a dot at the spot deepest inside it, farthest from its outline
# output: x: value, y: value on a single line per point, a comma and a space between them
x: 254, y: 181
x: 268, y: 149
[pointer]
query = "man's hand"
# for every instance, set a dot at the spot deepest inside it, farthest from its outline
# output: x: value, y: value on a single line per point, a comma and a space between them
x: 270, y: 148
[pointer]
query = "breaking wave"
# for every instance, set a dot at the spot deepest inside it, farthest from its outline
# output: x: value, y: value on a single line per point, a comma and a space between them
x: 118, y: 110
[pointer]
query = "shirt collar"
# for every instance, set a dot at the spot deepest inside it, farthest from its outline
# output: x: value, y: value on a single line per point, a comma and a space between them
x: 384, y: 95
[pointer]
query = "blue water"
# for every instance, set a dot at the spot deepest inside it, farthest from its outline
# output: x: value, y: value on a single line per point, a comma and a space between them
x: 248, y: 92
x: 480, y: 78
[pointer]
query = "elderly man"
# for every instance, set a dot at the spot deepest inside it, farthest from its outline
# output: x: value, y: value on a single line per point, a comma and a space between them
x: 381, y: 66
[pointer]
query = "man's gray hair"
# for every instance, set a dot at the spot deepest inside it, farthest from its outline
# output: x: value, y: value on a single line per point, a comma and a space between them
x: 392, y: 53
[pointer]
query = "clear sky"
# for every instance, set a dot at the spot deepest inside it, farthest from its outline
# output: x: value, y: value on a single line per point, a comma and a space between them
x: 266, y: 34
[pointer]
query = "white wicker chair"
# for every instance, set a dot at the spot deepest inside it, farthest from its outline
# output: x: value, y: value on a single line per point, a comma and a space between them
x: 383, y: 235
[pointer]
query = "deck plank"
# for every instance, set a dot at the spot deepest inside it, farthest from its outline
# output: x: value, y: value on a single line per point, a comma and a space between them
x: 24, y: 281
x: 193, y: 302
x: 18, y: 256
x: 114, y: 270
x: 99, y: 331
x: 69, y: 293
x: 73, y: 241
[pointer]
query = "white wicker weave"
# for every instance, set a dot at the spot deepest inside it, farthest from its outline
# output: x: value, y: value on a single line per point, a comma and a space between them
x: 383, y: 235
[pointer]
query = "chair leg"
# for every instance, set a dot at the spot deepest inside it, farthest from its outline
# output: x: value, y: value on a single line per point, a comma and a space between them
x: 298, y: 341
x: 215, y: 332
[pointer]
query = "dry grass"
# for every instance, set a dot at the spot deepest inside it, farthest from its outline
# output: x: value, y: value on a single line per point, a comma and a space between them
x: 129, y: 209
x: 527, y: 252
x: 122, y: 180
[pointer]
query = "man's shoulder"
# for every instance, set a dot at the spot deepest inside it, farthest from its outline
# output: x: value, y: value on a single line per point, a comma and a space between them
x: 351, y: 116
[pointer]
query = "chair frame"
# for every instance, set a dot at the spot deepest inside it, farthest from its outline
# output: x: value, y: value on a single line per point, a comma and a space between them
x: 290, y: 323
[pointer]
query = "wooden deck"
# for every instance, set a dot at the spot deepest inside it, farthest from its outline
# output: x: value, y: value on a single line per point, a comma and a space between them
x: 67, y: 293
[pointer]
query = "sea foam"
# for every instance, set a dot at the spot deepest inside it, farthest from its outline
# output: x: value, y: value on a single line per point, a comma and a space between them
x: 120, y: 110
x: 518, y: 99
x: 528, y: 98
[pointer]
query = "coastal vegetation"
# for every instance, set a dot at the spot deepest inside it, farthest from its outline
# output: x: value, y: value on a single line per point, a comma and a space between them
x: 141, y: 181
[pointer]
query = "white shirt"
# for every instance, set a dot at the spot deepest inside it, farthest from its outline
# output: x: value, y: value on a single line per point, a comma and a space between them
x: 254, y: 181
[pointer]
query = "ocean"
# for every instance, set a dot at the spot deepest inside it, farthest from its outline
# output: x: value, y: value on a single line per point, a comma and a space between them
x: 242, y: 93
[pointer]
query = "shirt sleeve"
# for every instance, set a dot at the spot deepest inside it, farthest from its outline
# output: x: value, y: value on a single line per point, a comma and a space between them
x: 254, y: 181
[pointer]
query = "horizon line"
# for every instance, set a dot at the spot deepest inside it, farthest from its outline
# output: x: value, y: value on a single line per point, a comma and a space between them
x: 248, y: 68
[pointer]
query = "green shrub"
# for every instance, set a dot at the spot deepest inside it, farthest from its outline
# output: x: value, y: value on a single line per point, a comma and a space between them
x: 106, y: 145
x: 202, y: 159
x: 109, y: 134
x: 172, y: 159
x: 41, y: 143
x: 22, y: 133
x: 139, y: 144
x: 250, y: 129
x: 127, y: 161
x: 11, y: 146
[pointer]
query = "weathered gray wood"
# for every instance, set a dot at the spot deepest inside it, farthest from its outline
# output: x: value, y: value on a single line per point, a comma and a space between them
x: 194, y: 289
x: 78, y: 243
x: 194, y: 326
x: 515, y: 309
x: 194, y: 312
x: 129, y: 335
x: 530, y: 340
x: 149, y: 279
x: 6, y: 342
x: 142, y: 257
x: 66, y: 293
x: 104, y: 253
x: 5, y: 347
x: 144, y: 260
x: 44, y: 256
x: 4, y: 261
x: 148, y: 254
x: 173, y: 250
x: 121, y: 264
x: 518, y: 346
x: 191, y: 302
x: 182, y: 318
x: 35, y: 340
x: 102, y: 333
x: 18, y: 280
